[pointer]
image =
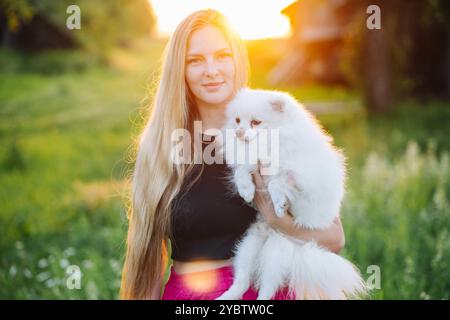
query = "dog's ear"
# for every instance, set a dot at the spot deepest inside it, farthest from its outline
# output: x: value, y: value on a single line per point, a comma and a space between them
x: 277, y: 104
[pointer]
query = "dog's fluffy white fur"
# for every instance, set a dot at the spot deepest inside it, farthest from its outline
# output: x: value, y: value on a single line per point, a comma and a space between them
x: 309, y: 181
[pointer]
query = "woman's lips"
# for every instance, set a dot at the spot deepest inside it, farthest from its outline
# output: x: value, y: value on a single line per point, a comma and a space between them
x: 213, y: 86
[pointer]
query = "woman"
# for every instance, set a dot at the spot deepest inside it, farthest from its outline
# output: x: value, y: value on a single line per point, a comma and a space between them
x: 205, y: 64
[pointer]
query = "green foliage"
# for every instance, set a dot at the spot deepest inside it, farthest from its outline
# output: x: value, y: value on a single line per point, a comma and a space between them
x: 16, y: 12
x: 13, y: 157
x: 396, y: 216
x: 49, y: 63
x: 59, y: 62
x: 9, y: 61
x: 104, y: 24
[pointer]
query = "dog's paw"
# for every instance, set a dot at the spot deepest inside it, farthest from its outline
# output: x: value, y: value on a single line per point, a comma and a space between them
x: 247, y: 191
x: 280, y: 205
x: 279, y: 199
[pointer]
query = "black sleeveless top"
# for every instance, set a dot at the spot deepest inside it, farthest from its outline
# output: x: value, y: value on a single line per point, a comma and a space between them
x: 208, y: 218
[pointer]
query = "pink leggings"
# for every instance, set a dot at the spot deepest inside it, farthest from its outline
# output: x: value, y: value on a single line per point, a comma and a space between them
x: 208, y: 285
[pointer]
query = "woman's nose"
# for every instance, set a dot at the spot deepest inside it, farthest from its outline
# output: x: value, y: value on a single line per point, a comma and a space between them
x: 211, y: 69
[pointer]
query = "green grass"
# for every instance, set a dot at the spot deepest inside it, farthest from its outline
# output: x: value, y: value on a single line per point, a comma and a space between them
x: 64, y: 138
x: 63, y: 149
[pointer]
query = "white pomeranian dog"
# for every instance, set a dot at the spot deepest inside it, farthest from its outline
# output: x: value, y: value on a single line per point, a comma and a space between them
x: 308, y: 180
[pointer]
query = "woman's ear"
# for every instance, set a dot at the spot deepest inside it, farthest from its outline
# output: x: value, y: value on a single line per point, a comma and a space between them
x: 277, y: 105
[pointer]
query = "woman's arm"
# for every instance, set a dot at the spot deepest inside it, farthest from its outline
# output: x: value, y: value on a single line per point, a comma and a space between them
x: 332, y: 238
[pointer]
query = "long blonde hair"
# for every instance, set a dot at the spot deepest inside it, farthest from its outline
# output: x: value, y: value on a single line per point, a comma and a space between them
x: 156, y: 180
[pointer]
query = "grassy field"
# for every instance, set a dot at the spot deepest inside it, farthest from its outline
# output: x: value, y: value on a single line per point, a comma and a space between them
x: 66, y: 126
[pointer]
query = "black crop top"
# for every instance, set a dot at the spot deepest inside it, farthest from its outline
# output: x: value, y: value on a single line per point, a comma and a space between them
x: 209, y: 218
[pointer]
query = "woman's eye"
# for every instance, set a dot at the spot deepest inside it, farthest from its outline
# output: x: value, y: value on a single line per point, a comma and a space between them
x: 255, y: 122
x: 224, y: 55
x: 194, y: 60
x: 238, y: 120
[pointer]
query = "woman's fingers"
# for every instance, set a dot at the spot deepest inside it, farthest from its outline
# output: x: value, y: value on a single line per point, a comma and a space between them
x: 258, y: 180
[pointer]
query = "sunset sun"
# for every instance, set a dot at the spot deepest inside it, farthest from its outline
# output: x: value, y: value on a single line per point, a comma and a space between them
x: 253, y: 19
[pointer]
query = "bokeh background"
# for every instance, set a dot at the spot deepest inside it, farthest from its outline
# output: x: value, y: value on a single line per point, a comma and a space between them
x: 73, y: 101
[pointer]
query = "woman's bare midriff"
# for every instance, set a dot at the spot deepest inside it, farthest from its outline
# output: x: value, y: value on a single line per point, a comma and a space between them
x: 181, y: 267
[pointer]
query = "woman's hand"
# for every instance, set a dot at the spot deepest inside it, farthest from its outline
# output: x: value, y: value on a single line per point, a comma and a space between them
x: 264, y: 202
x: 332, y: 238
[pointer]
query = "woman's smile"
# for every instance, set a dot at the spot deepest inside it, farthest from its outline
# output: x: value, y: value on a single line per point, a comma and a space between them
x: 213, y: 86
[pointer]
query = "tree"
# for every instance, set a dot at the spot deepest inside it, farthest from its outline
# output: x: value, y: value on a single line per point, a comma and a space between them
x: 408, y: 57
x: 104, y: 23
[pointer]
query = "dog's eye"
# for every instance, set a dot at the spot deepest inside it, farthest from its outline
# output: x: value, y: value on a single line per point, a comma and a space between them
x: 238, y: 120
x: 255, y: 122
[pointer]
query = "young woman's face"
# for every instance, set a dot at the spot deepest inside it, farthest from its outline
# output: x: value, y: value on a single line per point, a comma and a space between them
x: 209, y: 67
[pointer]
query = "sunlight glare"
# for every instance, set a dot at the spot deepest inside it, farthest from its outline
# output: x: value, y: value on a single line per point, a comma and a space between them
x: 253, y: 19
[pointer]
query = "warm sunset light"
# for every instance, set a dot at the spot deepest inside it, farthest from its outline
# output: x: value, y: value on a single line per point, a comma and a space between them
x: 253, y: 19
x: 201, y: 282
